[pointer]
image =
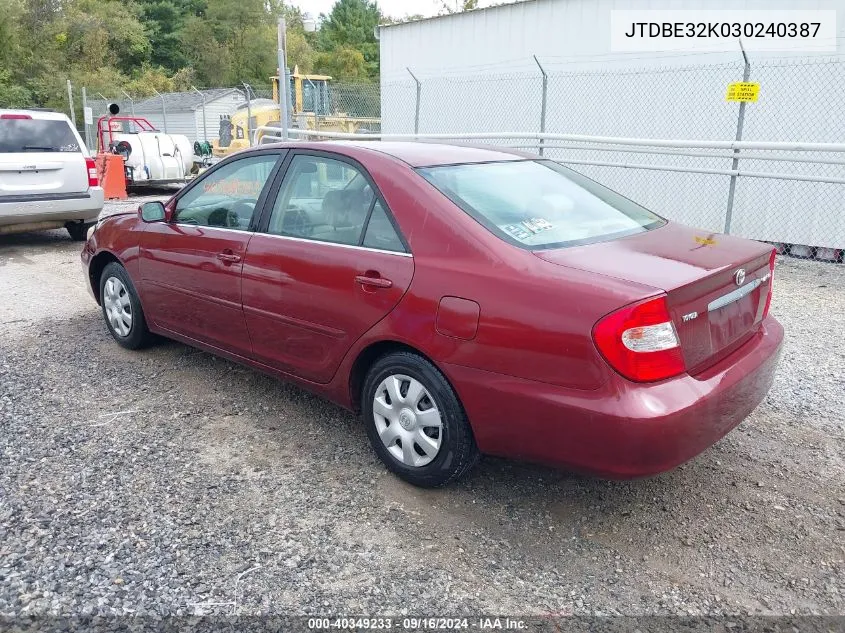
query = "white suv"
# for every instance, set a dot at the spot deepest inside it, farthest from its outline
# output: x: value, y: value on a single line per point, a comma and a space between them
x: 47, y: 178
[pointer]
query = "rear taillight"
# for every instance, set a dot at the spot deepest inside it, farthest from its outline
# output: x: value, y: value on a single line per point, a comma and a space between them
x: 15, y: 116
x: 93, y: 180
x: 771, y: 282
x: 640, y: 342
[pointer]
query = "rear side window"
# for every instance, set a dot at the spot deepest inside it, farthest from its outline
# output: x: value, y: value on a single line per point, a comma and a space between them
x: 36, y: 135
x: 540, y: 204
x: 380, y: 232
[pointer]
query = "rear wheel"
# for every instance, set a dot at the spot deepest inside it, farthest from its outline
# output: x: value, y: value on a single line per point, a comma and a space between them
x: 415, y: 422
x: 122, y: 308
x: 78, y: 230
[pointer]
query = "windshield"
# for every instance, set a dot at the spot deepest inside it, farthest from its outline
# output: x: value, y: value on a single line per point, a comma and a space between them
x: 36, y: 135
x: 540, y: 204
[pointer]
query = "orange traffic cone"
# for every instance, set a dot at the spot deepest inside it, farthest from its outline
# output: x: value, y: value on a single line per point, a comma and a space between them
x: 112, y: 176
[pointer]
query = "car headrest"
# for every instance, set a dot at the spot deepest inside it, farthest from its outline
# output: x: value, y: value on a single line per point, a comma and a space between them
x: 334, y: 202
x: 218, y: 217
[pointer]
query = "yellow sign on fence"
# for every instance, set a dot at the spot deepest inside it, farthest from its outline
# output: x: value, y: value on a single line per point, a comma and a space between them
x: 743, y: 91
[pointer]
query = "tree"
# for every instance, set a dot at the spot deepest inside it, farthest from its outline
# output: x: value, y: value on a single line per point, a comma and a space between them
x: 236, y: 24
x: 405, y: 18
x: 164, y: 20
x: 258, y: 56
x: 350, y: 26
x: 292, y: 14
x: 150, y: 79
x: 344, y: 63
x: 10, y: 27
x: 234, y: 42
x: 209, y: 58
x: 98, y: 33
x: 300, y: 52
x: 12, y: 94
x: 40, y: 12
x: 137, y: 45
x: 458, y: 6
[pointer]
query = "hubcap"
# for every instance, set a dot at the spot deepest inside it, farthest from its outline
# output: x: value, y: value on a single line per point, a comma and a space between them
x: 117, y: 306
x: 407, y: 420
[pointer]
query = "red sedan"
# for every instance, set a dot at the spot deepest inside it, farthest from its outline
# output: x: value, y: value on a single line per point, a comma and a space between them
x: 465, y: 300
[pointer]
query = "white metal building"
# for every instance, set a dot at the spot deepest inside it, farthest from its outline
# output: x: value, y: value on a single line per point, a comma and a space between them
x: 478, y: 73
x: 185, y: 111
x: 505, y: 37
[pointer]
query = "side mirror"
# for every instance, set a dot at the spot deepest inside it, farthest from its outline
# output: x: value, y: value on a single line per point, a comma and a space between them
x: 153, y: 212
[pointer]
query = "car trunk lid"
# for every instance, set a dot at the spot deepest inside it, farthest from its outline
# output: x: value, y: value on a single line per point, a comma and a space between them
x: 716, y: 285
x: 22, y: 174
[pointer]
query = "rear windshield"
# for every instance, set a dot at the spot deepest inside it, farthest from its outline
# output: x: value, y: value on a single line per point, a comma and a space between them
x: 36, y: 135
x: 540, y: 204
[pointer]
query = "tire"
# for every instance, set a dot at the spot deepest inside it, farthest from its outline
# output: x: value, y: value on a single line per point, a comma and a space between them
x: 406, y: 428
x: 78, y: 230
x: 120, y: 303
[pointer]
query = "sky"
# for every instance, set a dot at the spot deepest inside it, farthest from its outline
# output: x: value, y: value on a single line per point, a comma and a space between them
x: 394, y: 8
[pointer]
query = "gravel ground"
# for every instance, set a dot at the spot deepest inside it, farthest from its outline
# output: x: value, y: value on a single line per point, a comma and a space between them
x: 172, y: 482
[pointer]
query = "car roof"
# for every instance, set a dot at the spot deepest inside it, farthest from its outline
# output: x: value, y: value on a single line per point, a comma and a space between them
x: 420, y: 153
x: 38, y: 114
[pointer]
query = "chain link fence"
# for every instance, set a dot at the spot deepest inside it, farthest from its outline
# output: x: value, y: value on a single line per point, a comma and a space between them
x: 801, y: 100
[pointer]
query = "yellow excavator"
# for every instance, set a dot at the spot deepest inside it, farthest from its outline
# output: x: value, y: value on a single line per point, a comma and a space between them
x: 311, y: 109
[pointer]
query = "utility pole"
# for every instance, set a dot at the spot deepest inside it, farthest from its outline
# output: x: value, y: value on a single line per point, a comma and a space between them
x: 247, y: 91
x: 284, y: 83
x: 70, y: 102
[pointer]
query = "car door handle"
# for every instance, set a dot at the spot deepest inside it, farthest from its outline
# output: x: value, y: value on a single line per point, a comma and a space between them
x: 376, y: 282
x: 228, y: 257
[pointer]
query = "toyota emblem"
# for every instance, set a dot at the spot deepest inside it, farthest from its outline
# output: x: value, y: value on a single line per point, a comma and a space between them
x: 739, y: 277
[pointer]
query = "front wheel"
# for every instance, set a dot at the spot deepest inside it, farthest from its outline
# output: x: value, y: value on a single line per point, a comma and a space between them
x: 415, y: 422
x: 122, y: 308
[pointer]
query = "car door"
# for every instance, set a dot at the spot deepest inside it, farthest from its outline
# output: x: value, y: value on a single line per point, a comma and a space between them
x: 327, y: 264
x: 190, y: 267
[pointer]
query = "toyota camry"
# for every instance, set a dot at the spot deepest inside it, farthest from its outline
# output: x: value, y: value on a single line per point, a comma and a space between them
x: 465, y: 301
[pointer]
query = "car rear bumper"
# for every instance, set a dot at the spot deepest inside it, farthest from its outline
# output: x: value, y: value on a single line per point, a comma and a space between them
x: 623, y: 429
x: 51, y: 208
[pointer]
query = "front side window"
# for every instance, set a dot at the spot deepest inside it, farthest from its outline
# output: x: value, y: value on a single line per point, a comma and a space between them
x: 322, y: 199
x: 540, y: 204
x: 226, y: 198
